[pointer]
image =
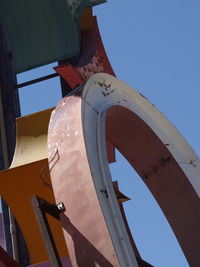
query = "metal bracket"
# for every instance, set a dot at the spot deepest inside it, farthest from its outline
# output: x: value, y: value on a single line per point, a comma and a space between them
x: 41, y: 207
x: 40, y: 79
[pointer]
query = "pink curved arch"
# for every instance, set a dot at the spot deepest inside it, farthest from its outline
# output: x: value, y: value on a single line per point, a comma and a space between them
x: 92, y: 224
x: 84, y: 227
x: 161, y: 173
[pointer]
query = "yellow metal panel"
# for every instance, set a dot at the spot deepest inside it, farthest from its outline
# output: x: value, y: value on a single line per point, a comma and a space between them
x: 31, y: 139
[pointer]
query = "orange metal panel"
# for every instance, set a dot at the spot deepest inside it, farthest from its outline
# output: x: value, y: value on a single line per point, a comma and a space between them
x: 17, y: 186
x: 28, y: 176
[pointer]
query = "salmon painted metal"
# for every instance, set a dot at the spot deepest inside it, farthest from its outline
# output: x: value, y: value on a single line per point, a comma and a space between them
x: 81, y: 178
x: 84, y: 227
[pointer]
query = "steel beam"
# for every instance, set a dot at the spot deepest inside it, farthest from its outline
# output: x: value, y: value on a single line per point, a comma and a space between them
x: 40, y: 207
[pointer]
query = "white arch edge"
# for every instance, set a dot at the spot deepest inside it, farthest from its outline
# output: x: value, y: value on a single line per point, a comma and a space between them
x: 178, y: 146
x: 101, y: 92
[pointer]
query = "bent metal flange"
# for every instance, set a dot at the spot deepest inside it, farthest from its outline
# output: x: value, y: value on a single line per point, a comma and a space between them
x: 92, y: 223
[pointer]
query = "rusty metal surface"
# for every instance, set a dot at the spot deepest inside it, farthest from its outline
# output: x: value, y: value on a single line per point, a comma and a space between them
x: 84, y: 227
x: 93, y: 58
x: 99, y: 62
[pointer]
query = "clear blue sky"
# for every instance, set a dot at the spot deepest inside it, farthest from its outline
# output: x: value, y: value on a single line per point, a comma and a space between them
x: 154, y: 46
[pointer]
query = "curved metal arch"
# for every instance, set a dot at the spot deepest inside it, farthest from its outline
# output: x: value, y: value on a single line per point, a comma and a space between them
x: 111, y: 109
x: 153, y: 146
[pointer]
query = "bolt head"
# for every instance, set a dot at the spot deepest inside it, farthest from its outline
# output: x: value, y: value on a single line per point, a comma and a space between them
x: 61, y: 206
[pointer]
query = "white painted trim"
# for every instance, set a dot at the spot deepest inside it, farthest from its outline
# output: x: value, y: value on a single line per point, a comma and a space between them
x: 101, y: 92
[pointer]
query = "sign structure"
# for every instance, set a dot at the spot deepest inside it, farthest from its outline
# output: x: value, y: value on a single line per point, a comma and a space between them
x: 58, y: 189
